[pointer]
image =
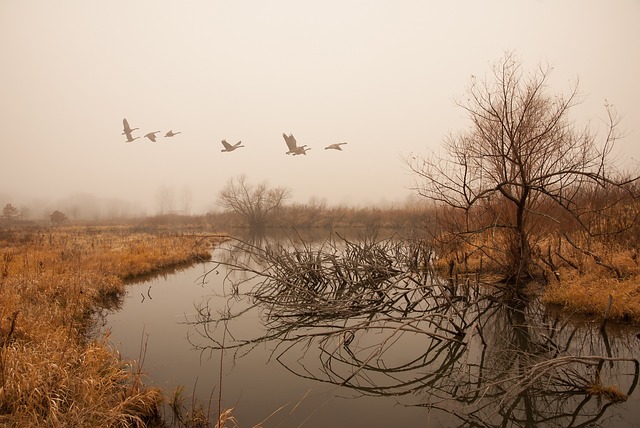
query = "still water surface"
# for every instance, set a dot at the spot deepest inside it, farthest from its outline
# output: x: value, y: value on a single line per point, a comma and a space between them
x: 289, y: 393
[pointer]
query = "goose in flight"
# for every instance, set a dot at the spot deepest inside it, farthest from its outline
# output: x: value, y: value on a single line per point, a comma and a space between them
x: 292, y: 144
x: 301, y: 150
x: 334, y: 146
x: 127, y: 130
x: 171, y: 133
x: 228, y: 147
x: 152, y: 136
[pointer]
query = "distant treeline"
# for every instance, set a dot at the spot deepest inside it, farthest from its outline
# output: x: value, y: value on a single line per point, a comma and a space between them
x: 294, y: 216
x: 303, y: 216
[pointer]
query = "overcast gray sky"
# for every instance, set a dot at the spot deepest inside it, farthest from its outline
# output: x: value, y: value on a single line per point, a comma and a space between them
x: 380, y: 75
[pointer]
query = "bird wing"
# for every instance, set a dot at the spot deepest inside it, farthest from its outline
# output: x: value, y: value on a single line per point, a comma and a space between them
x: 335, y: 146
x: 291, y: 142
x: 226, y: 145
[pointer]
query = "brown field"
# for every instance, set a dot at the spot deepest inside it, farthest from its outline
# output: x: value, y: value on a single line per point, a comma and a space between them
x: 53, y: 370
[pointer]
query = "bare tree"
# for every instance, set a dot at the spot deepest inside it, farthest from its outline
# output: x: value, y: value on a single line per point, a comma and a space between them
x: 521, y: 161
x: 164, y: 199
x: 186, y: 197
x: 254, y: 203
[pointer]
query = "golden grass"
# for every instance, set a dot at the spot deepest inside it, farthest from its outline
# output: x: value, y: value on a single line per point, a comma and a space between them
x: 582, y: 282
x: 589, y: 294
x: 52, y: 282
x: 589, y: 290
x: 611, y: 393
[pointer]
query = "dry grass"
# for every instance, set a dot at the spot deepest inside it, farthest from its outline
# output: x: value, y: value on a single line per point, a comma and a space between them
x: 582, y: 281
x: 593, y: 283
x: 596, y: 388
x: 52, y: 282
x: 611, y: 393
x: 589, y: 294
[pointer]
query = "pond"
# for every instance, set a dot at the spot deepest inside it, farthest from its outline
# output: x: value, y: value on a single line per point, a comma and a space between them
x: 482, y: 363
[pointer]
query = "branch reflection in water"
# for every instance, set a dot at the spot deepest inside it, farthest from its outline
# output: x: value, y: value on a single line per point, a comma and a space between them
x: 371, y: 315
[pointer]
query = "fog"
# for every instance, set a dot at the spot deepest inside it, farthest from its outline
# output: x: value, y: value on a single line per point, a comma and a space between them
x: 380, y: 75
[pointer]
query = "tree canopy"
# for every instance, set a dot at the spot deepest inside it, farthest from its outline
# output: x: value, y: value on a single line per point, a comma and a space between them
x: 57, y: 217
x: 9, y: 212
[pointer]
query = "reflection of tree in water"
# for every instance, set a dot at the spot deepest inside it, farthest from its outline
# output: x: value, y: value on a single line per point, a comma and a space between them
x: 379, y: 322
x: 538, y: 371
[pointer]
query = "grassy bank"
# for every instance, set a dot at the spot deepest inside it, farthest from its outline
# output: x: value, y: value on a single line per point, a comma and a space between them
x: 601, y: 282
x: 53, y: 373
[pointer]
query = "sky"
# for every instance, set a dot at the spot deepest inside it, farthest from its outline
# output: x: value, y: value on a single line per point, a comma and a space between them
x: 382, y: 76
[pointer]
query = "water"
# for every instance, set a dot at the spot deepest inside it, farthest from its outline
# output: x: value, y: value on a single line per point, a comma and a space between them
x: 285, y: 383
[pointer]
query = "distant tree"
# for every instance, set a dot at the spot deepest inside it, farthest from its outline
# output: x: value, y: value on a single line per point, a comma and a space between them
x: 10, y: 213
x: 186, y: 197
x: 164, y: 199
x: 24, y: 212
x: 254, y: 203
x: 58, y: 217
x: 74, y: 210
x: 521, y: 161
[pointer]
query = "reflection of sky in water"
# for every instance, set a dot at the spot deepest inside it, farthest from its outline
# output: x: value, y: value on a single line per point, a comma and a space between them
x: 252, y: 384
x: 257, y: 385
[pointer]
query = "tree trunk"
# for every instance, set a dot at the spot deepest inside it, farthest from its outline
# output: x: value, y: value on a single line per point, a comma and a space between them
x: 521, y: 261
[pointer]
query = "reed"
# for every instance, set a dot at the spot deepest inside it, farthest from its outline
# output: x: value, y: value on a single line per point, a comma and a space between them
x: 54, y: 371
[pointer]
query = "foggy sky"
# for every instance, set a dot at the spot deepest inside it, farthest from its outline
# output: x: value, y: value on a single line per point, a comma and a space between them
x: 380, y: 75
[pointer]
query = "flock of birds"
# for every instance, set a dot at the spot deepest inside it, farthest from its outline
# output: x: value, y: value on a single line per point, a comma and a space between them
x: 292, y: 144
x: 128, y: 132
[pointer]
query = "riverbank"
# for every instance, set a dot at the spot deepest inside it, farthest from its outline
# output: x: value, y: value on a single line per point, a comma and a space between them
x: 53, y: 282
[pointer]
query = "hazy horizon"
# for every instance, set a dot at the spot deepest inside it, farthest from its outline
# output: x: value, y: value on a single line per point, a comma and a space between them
x: 381, y: 76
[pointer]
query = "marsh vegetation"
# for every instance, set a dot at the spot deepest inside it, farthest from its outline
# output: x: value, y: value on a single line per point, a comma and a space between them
x: 54, y: 284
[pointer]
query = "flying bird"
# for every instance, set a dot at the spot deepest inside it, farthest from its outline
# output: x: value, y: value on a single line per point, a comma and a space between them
x: 152, y: 136
x: 171, y: 133
x: 301, y: 150
x: 292, y: 144
x: 229, y: 148
x: 127, y: 130
x: 335, y: 146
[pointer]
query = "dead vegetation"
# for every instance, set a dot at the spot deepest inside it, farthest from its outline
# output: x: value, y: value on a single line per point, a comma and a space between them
x: 579, y: 272
x: 340, y: 311
x: 53, y: 372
